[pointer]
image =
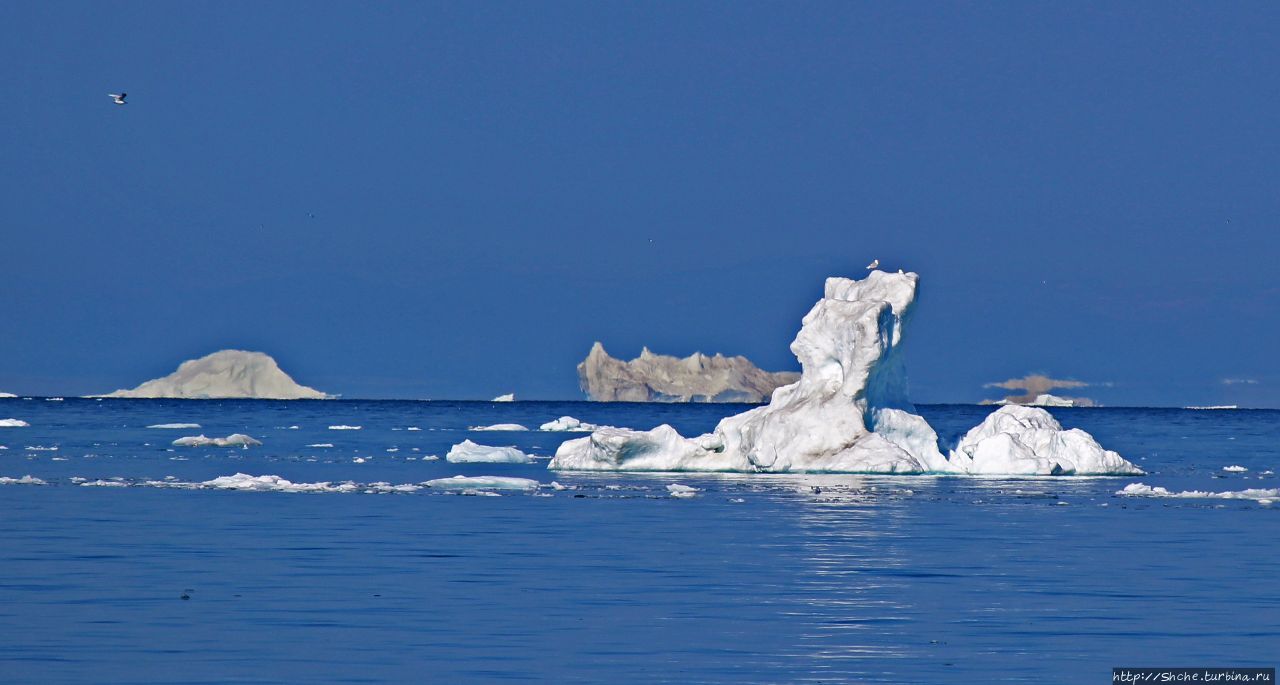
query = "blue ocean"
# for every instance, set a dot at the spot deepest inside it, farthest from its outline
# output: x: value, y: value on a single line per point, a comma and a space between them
x: 120, y: 563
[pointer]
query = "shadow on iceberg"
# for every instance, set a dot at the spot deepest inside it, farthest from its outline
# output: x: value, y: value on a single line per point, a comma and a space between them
x: 849, y: 412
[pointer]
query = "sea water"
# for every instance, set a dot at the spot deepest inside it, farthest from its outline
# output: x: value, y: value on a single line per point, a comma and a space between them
x: 121, y: 568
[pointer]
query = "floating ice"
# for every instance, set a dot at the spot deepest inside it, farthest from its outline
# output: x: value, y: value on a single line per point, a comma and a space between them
x: 6, y: 395
x: 243, y: 481
x: 174, y: 425
x: 321, y: 444
x: 233, y: 440
x: 469, y: 452
x: 568, y: 424
x: 849, y: 412
x: 345, y: 428
x: 499, y: 427
x: 682, y: 491
x: 1018, y: 440
x: 25, y: 480
x: 509, y: 397
x: 413, y: 428
x: 41, y: 448
x: 1234, y: 468
x: 103, y: 483
x: 482, y: 483
x: 13, y: 423
x: 53, y: 399
x: 1144, y: 490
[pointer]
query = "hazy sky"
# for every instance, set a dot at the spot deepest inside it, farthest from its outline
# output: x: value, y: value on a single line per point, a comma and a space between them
x: 454, y: 200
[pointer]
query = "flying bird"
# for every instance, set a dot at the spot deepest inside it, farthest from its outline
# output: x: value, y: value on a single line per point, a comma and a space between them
x: 118, y: 99
x: 874, y: 263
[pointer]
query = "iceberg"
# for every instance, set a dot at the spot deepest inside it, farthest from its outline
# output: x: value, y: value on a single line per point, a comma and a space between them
x: 482, y: 483
x: 6, y: 395
x: 1234, y: 468
x: 509, y: 397
x: 662, y: 378
x: 227, y: 374
x: 233, y: 440
x: 174, y: 425
x: 345, y: 428
x: 568, y: 424
x: 13, y: 423
x: 499, y: 427
x: 849, y: 412
x: 467, y: 452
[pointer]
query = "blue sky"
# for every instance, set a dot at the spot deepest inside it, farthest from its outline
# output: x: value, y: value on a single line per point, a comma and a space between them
x: 454, y: 200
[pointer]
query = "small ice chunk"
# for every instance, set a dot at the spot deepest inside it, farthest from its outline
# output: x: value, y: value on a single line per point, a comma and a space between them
x: 482, y: 483
x: 42, y: 448
x: 25, y: 480
x: 243, y: 481
x: 566, y: 424
x: 13, y: 423
x: 341, y: 427
x: 174, y: 425
x: 233, y: 440
x: 321, y: 444
x: 509, y: 397
x: 469, y: 452
x: 499, y: 427
x: 682, y: 491
x: 1234, y: 468
x: 1144, y: 490
x: 413, y: 428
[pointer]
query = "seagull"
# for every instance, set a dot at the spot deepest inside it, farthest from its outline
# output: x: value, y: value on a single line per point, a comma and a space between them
x: 118, y: 99
x: 874, y: 263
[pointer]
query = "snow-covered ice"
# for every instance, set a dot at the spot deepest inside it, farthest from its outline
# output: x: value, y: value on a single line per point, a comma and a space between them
x: 482, y: 483
x: 321, y: 444
x: 568, y: 424
x: 509, y: 397
x: 13, y: 423
x: 499, y: 427
x: 6, y: 395
x: 25, y: 480
x: 174, y: 425
x: 343, y: 427
x: 1234, y: 468
x: 244, y: 481
x: 682, y: 491
x: 849, y: 412
x: 1144, y: 490
x: 233, y: 440
x: 467, y: 452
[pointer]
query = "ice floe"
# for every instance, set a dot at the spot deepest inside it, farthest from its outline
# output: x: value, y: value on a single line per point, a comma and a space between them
x: 13, y: 423
x: 174, y: 425
x: 568, y: 424
x: 509, y: 397
x: 1234, y: 468
x: 244, y: 481
x: 341, y: 427
x: 233, y: 440
x: 7, y: 395
x: 321, y: 444
x: 1144, y: 490
x: 25, y: 480
x: 469, y: 452
x: 499, y: 427
x: 682, y: 491
x: 849, y: 412
x: 482, y: 483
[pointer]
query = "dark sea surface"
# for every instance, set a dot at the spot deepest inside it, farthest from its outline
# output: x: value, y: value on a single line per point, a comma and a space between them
x: 756, y: 579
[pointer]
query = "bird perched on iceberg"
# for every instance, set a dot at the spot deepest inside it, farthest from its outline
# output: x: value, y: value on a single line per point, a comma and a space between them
x: 118, y: 99
x: 874, y: 263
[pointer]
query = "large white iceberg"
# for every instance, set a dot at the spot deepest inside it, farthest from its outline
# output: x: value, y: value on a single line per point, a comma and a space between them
x: 467, y: 452
x: 226, y: 374
x: 849, y: 412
